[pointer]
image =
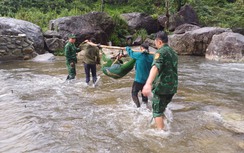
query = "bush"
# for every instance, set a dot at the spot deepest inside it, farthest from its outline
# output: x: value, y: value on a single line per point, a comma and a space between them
x: 142, y: 33
x: 120, y: 31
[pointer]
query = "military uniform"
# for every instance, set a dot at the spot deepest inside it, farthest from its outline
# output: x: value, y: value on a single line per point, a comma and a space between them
x: 70, y: 51
x: 166, y: 82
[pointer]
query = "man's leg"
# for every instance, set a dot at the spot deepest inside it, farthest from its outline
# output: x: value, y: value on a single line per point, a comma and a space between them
x: 94, y: 72
x: 134, y: 93
x: 71, y: 71
x: 159, y: 121
x: 159, y: 104
x: 87, y: 71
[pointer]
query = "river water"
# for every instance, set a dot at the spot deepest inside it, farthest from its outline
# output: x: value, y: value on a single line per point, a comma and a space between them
x: 40, y: 112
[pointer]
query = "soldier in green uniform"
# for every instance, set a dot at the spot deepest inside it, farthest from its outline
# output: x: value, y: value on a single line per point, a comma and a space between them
x: 70, y: 51
x: 163, y: 78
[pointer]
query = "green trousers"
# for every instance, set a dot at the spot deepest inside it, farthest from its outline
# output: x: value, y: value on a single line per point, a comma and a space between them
x: 71, y: 70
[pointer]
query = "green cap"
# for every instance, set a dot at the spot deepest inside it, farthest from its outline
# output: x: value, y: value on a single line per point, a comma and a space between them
x: 72, y: 36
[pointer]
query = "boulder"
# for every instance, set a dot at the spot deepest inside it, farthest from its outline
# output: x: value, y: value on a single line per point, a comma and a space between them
x: 44, y: 57
x: 194, y: 42
x: 10, y: 26
x: 227, y: 46
x: 184, y: 28
x: 162, y: 19
x: 51, y: 34
x: 238, y: 30
x: 138, y: 41
x: 185, y: 15
x: 54, y: 44
x: 138, y: 21
x: 150, y: 42
x: 94, y: 24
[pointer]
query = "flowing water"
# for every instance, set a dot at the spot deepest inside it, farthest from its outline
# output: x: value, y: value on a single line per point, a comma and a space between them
x: 41, y: 113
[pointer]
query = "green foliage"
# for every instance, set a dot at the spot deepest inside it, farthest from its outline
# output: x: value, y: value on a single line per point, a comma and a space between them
x: 220, y: 13
x: 36, y: 16
x: 142, y: 33
x: 120, y: 30
x: 59, y: 52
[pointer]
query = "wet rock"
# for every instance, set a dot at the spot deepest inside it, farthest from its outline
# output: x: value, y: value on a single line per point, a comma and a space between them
x: 194, y: 42
x: 17, y: 52
x: 28, y: 50
x: 3, y: 52
x: 44, y: 57
x: 227, y: 46
x: 234, y: 122
x: 138, y: 21
x: 27, y: 57
x: 10, y: 26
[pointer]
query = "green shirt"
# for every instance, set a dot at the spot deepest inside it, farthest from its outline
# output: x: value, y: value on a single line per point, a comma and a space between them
x: 166, y: 61
x: 91, y: 55
x: 70, y: 51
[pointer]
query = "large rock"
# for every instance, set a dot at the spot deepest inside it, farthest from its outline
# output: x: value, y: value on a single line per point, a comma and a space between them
x: 238, y: 30
x: 185, y: 15
x: 162, y: 20
x: 10, y: 26
x: 194, y: 42
x: 94, y: 24
x: 184, y: 28
x: 227, y: 46
x: 51, y: 34
x: 138, y: 21
x: 44, y: 57
x: 54, y: 44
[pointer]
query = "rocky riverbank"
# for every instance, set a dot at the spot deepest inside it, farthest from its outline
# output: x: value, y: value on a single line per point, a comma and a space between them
x: 188, y: 38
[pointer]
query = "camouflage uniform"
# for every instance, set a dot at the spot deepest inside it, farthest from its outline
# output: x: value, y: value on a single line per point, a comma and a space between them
x: 166, y: 82
x: 70, y: 51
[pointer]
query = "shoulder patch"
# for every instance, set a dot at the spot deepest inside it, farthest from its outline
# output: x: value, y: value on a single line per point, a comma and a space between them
x: 157, y: 55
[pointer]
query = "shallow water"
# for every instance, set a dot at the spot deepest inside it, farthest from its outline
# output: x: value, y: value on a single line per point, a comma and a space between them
x: 40, y: 112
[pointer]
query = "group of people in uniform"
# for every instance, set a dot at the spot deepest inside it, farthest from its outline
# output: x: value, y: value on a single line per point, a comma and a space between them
x: 155, y: 75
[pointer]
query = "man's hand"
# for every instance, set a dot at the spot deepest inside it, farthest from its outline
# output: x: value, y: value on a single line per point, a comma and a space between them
x: 72, y: 64
x: 147, y: 90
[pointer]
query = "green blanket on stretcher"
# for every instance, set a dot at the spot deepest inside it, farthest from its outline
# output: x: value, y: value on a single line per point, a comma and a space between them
x: 116, y: 70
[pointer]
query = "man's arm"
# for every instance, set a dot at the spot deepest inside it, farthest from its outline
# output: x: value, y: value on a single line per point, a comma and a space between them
x: 132, y: 54
x: 146, y: 91
x: 67, y: 52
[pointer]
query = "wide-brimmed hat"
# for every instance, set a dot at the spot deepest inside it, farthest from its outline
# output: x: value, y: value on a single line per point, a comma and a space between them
x: 72, y: 36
